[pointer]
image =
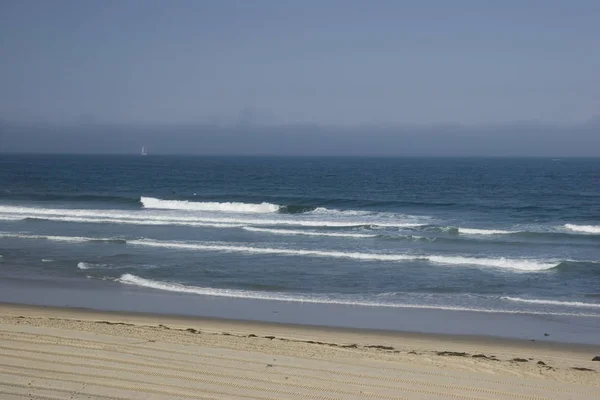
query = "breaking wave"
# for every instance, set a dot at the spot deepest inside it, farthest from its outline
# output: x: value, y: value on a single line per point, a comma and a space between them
x: 134, y: 280
x: 84, y: 265
x: 593, y: 229
x: 470, y: 231
x: 513, y: 264
x: 295, y: 209
x: 73, y: 239
x: 308, y: 233
x: 505, y: 263
x: 552, y: 302
x: 247, y: 208
x: 166, y: 217
x: 150, y: 202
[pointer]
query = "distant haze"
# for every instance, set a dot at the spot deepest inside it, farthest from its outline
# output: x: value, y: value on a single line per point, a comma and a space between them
x: 312, y: 77
x: 523, y: 139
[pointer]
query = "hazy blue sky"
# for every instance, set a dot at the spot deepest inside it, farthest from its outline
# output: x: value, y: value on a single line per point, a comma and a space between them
x: 330, y: 62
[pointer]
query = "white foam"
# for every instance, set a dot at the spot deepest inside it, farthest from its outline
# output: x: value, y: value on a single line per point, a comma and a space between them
x: 150, y: 202
x: 470, y: 231
x: 212, y: 222
x: 84, y: 265
x: 594, y: 229
x: 308, y: 233
x: 74, y: 239
x: 55, y: 238
x: 553, y: 302
x: 47, y: 260
x: 348, y: 213
x: 506, y: 263
x: 130, y: 279
x: 514, y: 264
x: 183, y: 218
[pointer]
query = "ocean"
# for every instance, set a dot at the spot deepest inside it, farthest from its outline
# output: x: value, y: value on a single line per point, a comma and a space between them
x: 516, y: 236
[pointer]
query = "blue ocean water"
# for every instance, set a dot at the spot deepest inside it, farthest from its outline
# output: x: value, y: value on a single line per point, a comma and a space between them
x: 496, y: 235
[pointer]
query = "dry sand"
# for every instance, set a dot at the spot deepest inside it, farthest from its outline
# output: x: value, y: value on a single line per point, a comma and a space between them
x: 54, y: 353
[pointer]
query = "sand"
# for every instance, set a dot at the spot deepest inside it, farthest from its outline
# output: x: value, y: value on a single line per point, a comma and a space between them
x: 60, y: 353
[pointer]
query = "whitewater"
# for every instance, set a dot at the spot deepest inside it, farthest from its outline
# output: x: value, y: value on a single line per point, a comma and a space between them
x: 455, y: 235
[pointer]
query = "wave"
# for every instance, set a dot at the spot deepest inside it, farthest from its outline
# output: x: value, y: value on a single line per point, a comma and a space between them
x: 111, y: 241
x: 296, y: 209
x: 579, y: 267
x: 451, y: 230
x: 307, y: 233
x: 553, y: 233
x: 593, y: 229
x: 505, y: 263
x: 471, y: 231
x: 340, y: 234
x: 47, y: 260
x: 74, y: 239
x: 552, y: 302
x: 514, y: 264
x: 145, y: 217
x: 349, y: 213
x: 134, y: 280
x: 84, y: 265
x: 258, y: 208
x: 126, y: 221
x: 150, y: 202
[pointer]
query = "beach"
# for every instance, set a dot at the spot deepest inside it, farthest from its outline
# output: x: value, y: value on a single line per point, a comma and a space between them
x: 62, y: 353
x: 298, y: 278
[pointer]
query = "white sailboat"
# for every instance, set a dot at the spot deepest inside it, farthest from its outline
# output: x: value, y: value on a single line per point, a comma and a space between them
x: 144, y: 152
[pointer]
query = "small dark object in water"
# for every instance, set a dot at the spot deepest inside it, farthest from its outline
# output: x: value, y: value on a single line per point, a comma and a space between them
x: 350, y: 346
x: 191, y: 330
x: 252, y: 335
x: 480, y: 356
x: 519, y: 360
x: 583, y: 369
x: 541, y: 363
x: 270, y: 337
x: 546, y: 334
x: 269, y: 365
x: 597, y: 358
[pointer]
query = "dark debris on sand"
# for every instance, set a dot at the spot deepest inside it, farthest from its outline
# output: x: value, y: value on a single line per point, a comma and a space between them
x: 452, y: 353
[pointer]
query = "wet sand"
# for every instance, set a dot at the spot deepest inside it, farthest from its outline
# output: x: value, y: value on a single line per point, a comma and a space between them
x: 61, y: 353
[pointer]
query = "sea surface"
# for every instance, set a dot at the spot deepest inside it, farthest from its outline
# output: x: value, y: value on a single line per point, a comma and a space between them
x: 492, y: 235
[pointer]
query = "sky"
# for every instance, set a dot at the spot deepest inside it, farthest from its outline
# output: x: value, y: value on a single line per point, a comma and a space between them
x: 327, y: 62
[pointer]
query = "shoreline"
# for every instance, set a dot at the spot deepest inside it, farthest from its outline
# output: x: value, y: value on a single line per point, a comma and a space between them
x: 229, y: 324
x: 113, y: 297
x: 60, y: 353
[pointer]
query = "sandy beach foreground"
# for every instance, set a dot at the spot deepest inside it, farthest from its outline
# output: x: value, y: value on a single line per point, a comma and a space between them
x: 61, y: 353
